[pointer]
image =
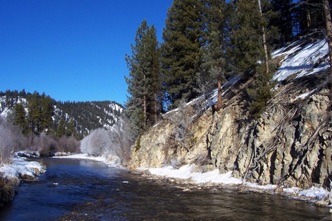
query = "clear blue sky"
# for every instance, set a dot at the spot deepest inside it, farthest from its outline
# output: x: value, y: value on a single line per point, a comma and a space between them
x: 73, y: 50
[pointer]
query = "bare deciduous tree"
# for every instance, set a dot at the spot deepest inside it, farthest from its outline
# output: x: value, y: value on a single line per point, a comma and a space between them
x: 96, y: 143
x: 11, y: 139
x: 68, y: 144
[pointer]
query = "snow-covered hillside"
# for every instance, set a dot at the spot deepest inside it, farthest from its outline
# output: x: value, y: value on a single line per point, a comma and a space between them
x: 302, y: 58
x: 86, y: 116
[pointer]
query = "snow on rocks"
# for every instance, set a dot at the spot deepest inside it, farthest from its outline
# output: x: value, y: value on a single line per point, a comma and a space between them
x: 302, y: 61
x: 21, y: 169
x: 12, y: 174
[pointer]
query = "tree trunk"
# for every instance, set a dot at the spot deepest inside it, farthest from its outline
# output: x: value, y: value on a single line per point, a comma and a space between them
x: 327, y: 12
x: 219, y: 102
x: 144, y: 108
x: 267, y: 69
x: 155, y: 109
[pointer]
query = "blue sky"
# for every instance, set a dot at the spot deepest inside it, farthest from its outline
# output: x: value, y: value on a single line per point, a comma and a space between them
x: 73, y: 50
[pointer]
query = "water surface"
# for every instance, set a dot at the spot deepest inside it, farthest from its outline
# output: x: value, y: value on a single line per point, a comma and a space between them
x: 87, y: 190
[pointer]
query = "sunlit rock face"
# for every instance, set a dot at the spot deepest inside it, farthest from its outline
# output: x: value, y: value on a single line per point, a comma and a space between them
x: 289, y: 144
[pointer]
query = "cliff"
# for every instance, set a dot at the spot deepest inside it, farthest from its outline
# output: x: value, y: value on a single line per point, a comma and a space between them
x: 290, y: 144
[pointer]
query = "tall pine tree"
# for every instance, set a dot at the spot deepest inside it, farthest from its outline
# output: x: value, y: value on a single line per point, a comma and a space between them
x: 20, y: 117
x: 180, y: 52
x: 250, y: 49
x: 143, y: 81
x: 283, y: 20
x: 213, y: 66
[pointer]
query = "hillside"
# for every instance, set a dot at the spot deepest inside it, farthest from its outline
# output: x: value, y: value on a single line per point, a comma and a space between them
x: 288, y: 145
x: 84, y: 116
x: 91, y: 115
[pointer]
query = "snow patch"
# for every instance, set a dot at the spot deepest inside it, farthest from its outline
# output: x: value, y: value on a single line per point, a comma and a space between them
x: 109, y: 160
x: 302, y: 61
x: 20, y: 168
x: 215, y: 177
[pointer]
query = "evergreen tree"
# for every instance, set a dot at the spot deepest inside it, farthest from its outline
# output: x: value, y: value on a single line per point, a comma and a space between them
x: 213, y: 66
x: 247, y: 46
x: 47, y: 111
x: 143, y: 81
x: 250, y: 49
x: 180, y: 53
x: 328, y: 25
x: 34, y: 113
x: 310, y: 16
x: 61, y: 128
x: 71, y: 128
x: 283, y: 20
x: 154, y: 84
x: 20, y: 117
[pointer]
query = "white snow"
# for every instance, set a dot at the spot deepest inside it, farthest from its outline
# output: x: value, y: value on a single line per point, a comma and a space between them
x: 20, y: 167
x: 302, y: 61
x: 314, y: 193
x: 215, y: 177
x: 305, y: 95
x: 108, y: 160
x: 185, y: 172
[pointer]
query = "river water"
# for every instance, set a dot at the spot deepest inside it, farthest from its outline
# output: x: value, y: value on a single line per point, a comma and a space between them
x: 87, y: 190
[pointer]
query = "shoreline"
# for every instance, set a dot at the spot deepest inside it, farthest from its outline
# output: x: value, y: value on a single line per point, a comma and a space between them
x: 22, y: 170
x: 189, y: 185
x: 190, y: 180
x: 11, y: 176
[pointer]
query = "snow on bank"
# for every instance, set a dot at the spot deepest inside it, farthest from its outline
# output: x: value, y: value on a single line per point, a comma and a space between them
x: 214, y: 177
x: 109, y: 160
x: 20, y: 168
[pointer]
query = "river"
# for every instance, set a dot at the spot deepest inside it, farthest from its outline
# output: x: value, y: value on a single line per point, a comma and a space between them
x: 88, y: 190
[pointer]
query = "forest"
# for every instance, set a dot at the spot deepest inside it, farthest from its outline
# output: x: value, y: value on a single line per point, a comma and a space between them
x: 37, y: 122
x: 207, y: 42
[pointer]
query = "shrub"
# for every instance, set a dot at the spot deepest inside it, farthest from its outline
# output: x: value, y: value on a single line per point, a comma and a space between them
x: 114, y: 144
x: 68, y: 144
x: 44, y: 144
x: 11, y: 139
x: 96, y: 143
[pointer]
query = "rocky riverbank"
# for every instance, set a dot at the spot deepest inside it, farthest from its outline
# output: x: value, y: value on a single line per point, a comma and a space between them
x: 11, y: 175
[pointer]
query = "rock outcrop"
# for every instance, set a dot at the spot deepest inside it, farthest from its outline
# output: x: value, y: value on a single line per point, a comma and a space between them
x: 290, y: 144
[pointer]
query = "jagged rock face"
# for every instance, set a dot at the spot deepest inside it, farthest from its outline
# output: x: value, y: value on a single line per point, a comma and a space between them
x: 290, y: 144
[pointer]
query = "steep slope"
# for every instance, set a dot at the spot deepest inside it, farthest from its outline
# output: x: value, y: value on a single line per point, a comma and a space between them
x: 91, y: 115
x: 289, y: 145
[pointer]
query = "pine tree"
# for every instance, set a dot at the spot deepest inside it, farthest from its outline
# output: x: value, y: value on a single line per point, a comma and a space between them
x: 310, y: 16
x: 71, y: 128
x: 154, y: 84
x: 180, y: 53
x: 61, y: 128
x: 34, y: 113
x: 246, y: 48
x: 250, y: 50
x: 47, y: 111
x: 328, y: 25
x: 20, y: 117
x: 212, y: 72
x: 283, y: 20
x: 143, y: 81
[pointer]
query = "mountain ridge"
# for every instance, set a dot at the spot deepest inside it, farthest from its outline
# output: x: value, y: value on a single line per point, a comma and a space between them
x: 85, y: 115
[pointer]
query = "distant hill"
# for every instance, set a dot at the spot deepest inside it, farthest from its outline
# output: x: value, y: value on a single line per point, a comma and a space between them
x: 83, y: 116
x: 91, y: 115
